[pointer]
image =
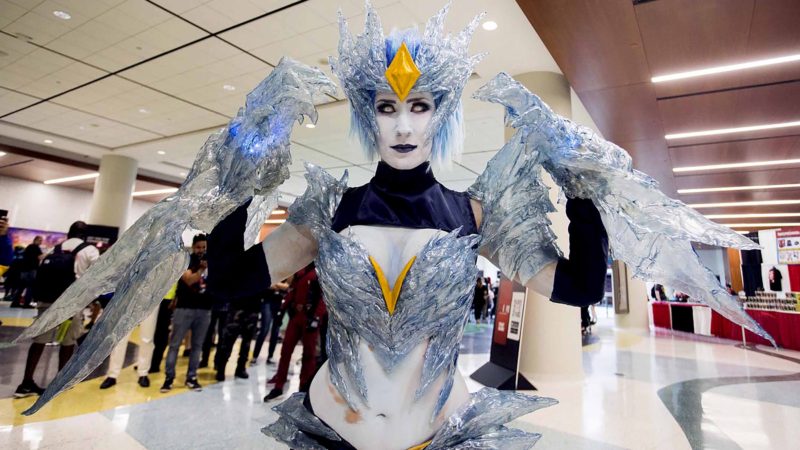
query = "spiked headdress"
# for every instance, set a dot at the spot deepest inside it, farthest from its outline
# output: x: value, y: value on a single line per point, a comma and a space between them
x: 440, y: 65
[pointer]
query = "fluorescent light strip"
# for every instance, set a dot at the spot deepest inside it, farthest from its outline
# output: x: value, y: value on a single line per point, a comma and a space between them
x: 753, y: 203
x: 723, y: 69
x: 762, y: 225
x: 738, y: 188
x: 742, y: 231
x: 750, y: 216
x: 279, y: 212
x: 155, y: 192
x: 88, y: 176
x: 274, y: 221
x: 769, y: 126
x: 775, y: 162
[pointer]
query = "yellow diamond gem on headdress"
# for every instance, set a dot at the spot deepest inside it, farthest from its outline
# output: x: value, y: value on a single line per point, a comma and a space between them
x: 402, y: 73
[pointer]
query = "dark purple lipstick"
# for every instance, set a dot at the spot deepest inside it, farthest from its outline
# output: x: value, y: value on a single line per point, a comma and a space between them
x: 404, y: 148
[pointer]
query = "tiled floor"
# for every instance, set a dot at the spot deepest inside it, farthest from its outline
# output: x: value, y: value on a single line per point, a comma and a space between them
x: 641, y: 391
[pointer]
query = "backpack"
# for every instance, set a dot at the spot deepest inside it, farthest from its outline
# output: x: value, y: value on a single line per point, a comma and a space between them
x: 55, y: 274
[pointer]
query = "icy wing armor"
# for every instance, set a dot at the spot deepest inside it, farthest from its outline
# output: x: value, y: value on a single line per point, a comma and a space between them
x: 248, y: 158
x: 649, y: 231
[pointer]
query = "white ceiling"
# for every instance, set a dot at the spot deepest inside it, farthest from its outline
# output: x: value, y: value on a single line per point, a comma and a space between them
x: 135, y: 77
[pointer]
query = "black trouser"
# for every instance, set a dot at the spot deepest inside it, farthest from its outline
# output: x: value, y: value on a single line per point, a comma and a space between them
x: 241, y: 323
x: 161, y: 337
x: 220, y: 318
x: 277, y: 322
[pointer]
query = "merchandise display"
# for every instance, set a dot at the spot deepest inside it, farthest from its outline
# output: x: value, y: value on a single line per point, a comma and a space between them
x: 396, y: 258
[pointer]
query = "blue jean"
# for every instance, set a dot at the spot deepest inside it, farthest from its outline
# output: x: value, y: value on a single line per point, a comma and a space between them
x: 263, y: 330
x: 183, y: 320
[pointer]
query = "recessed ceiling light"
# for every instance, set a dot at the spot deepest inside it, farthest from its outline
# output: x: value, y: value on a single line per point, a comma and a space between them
x: 738, y: 188
x: 723, y: 69
x: 310, y: 125
x: 752, y: 203
x: 144, y: 110
x: 3, y: 154
x: 88, y: 176
x: 750, y: 216
x: 62, y: 15
x: 769, y: 126
x: 155, y: 192
x: 774, y: 162
x: 489, y: 25
x: 761, y: 225
x: 183, y: 174
x: 48, y: 141
x: 229, y: 87
x: 161, y: 152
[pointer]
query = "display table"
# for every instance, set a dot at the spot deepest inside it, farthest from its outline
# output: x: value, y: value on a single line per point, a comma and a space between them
x: 687, y: 317
x: 784, y: 326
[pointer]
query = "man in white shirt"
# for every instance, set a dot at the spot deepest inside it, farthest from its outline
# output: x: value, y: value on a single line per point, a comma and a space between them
x: 76, y: 251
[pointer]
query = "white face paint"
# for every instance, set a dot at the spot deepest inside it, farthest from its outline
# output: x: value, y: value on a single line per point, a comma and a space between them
x: 401, y: 128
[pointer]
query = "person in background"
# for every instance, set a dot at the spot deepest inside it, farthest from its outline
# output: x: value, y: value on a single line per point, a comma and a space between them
x: 658, y: 293
x: 192, y: 312
x: 489, y: 308
x: 305, y: 307
x: 147, y: 331
x: 6, y: 249
x: 31, y: 258
x: 479, y: 298
x: 161, y: 336
x: 68, y: 261
x: 270, y: 305
x: 220, y: 313
x: 242, y: 321
x: 277, y: 322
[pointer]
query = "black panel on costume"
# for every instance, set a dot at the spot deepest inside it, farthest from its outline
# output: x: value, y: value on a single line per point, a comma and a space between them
x: 405, y: 198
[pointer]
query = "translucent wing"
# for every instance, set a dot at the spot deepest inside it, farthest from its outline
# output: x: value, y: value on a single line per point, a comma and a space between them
x: 248, y: 158
x: 649, y: 231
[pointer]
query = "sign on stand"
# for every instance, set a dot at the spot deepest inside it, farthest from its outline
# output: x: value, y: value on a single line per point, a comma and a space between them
x: 501, y: 371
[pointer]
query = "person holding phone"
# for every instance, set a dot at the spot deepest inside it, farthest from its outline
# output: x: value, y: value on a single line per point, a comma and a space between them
x: 6, y: 249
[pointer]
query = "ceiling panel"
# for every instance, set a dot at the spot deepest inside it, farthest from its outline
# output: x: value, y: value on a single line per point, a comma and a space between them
x: 737, y: 151
x: 171, y: 33
x: 12, y: 101
x: 787, y: 175
x: 610, y: 31
x: 752, y: 106
x: 141, y: 107
x: 33, y: 169
x: 61, y: 121
x: 743, y: 196
x: 709, y: 34
x: 43, y: 73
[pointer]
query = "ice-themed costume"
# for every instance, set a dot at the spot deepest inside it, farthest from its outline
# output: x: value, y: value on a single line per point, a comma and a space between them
x: 428, y: 302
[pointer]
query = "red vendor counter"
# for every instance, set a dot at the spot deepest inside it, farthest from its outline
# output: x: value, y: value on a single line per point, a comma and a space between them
x: 784, y: 326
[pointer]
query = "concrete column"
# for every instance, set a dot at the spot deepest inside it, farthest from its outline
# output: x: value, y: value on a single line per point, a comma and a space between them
x: 111, y: 200
x: 637, y: 317
x: 551, y: 333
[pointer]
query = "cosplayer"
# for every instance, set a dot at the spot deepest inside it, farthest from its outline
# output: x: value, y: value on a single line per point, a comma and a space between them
x: 396, y: 257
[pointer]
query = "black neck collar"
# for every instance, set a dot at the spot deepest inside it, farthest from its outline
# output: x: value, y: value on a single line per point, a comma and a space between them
x: 410, y: 181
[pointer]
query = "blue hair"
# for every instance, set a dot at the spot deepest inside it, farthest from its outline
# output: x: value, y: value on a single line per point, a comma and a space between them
x: 447, y: 140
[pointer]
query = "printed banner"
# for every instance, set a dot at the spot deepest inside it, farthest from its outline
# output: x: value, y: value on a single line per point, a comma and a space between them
x: 788, y: 245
